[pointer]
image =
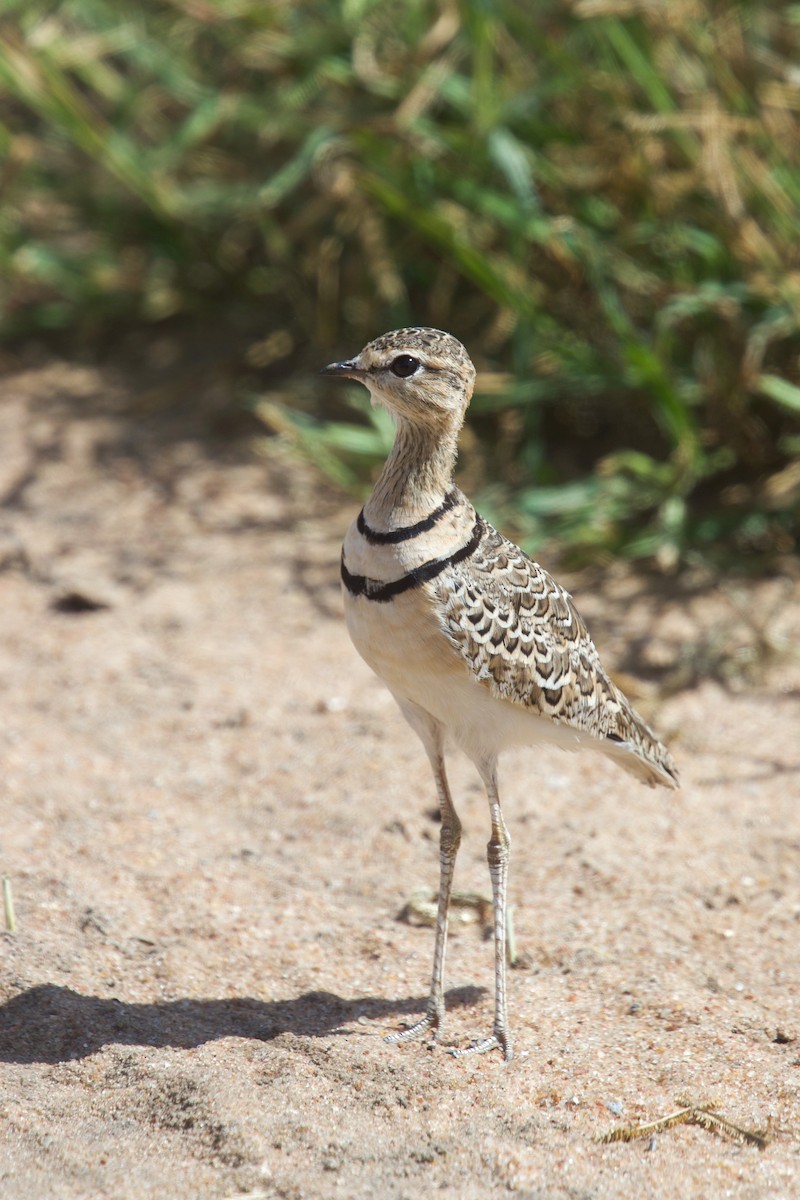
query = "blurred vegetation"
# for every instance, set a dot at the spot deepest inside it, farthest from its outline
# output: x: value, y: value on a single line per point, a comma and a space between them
x: 600, y: 198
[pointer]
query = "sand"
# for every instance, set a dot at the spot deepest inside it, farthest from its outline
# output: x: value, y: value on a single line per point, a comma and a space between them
x: 213, y: 816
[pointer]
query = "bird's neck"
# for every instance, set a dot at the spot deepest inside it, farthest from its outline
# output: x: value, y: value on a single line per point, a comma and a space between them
x: 415, y: 478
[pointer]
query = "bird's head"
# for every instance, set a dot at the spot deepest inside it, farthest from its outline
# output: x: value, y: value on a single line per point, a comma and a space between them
x: 423, y: 376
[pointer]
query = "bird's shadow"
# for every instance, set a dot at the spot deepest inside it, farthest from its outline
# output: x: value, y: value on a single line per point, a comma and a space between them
x: 51, y: 1024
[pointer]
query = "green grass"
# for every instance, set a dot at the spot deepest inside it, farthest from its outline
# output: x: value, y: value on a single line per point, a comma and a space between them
x: 601, y: 199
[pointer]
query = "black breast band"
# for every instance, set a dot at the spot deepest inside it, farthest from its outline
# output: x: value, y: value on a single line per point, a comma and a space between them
x: 376, y: 538
x: 374, y: 589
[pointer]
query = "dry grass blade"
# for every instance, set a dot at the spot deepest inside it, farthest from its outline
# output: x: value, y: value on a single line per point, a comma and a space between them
x: 8, y: 906
x: 691, y: 1114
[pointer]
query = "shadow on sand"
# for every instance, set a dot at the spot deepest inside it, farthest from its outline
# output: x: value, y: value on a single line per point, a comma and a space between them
x: 50, y: 1024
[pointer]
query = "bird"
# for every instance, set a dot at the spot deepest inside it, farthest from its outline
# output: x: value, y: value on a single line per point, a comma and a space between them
x: 476, y: 642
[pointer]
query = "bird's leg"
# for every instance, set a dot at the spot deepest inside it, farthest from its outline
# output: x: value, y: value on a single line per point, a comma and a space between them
x: 449, y: 841
x: 498, y: 854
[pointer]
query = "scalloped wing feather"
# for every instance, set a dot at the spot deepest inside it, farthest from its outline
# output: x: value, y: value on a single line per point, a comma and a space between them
x: 524, y: 639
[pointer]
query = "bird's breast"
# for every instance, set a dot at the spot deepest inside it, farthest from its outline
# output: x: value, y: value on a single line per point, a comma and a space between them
x: 392, y: 619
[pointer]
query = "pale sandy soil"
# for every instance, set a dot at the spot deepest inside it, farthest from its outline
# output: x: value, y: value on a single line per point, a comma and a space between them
x: 212, y: 816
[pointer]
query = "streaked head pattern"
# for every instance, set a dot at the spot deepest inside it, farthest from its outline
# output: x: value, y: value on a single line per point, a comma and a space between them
x: 424, y: 376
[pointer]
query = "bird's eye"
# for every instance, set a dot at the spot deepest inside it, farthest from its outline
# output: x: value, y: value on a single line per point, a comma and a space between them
x: 404, y: 365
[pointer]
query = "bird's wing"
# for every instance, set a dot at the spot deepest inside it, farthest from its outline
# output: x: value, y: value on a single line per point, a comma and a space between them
x: 524, y: 639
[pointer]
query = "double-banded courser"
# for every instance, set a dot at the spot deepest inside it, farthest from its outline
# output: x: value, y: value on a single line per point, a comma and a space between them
x: 475, y: 641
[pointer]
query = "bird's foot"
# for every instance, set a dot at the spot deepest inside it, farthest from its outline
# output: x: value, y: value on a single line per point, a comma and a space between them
x: 499, y: 1040
x: 429, y: 1024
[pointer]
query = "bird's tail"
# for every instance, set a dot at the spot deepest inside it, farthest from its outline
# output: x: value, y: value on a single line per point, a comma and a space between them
x: 644, y: 756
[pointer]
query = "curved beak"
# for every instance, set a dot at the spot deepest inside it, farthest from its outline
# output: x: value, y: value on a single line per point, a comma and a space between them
x: 346, y: 370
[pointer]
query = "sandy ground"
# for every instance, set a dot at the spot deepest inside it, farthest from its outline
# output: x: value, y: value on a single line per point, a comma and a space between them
x: 212, y: 816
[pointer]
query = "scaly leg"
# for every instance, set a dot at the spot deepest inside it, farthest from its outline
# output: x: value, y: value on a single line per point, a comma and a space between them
x: 498, y: 854
x: 430, y: 732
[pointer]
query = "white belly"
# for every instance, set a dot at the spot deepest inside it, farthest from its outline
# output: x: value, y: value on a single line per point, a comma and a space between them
x: 404, y: 645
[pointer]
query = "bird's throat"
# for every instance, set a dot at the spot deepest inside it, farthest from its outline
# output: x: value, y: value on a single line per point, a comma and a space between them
x: 415, y: 478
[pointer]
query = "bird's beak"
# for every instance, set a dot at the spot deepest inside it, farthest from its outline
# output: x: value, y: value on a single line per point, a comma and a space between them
x: 346, y: 370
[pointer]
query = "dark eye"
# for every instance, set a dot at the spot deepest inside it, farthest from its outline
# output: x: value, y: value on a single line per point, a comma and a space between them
x: 405, y: 365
